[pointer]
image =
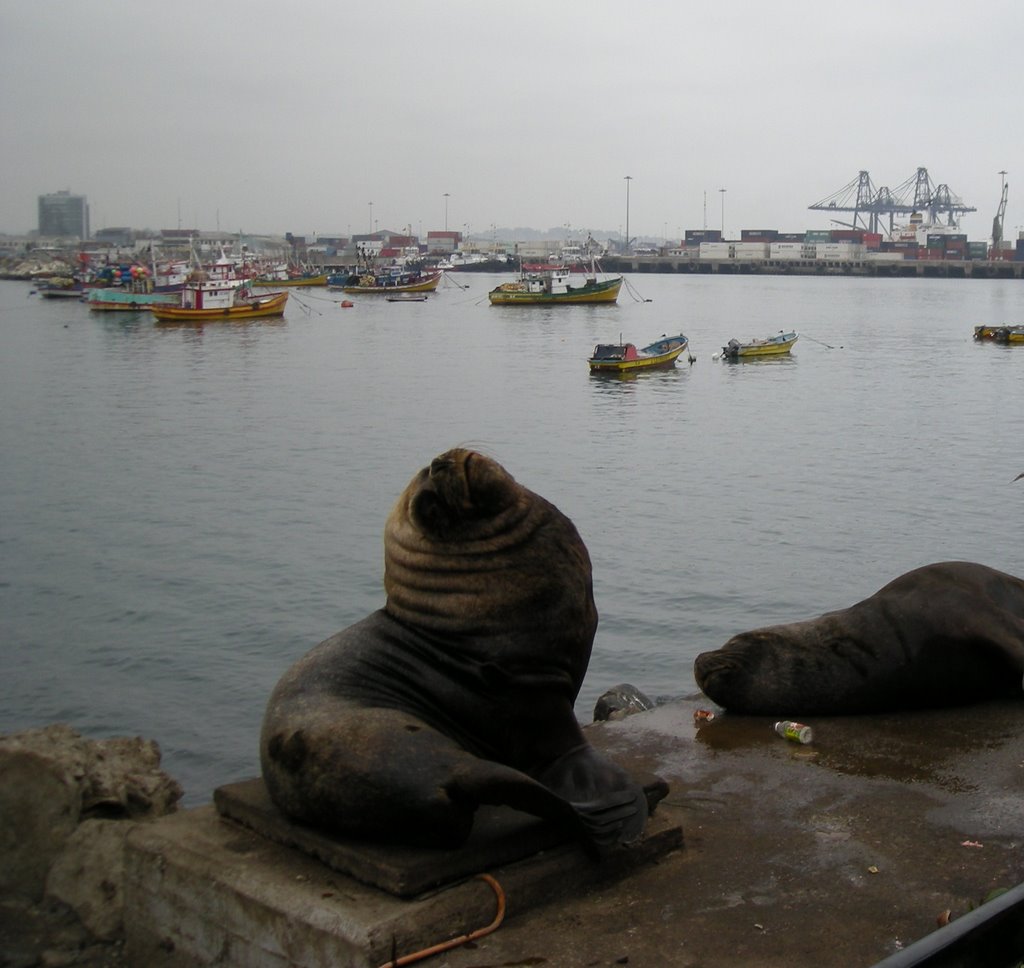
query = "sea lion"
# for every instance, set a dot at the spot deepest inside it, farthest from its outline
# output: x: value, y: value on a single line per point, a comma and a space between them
x: 460, y: 690
x: 945, y: 634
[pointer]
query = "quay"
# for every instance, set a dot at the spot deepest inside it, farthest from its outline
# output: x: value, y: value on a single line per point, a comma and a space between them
x: 851, y: 851
x: 894, y: 268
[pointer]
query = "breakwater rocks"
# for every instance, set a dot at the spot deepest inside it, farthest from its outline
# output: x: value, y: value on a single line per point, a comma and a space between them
x: 67, y: 804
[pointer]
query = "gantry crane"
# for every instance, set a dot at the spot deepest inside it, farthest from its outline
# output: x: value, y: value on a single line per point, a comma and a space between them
x: 916, y: 194
x: 997, y: 222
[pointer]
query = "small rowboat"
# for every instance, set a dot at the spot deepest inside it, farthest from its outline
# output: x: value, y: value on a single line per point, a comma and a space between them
x: 770, y: 346
x: 1000, y: 334
x: 624, y: 357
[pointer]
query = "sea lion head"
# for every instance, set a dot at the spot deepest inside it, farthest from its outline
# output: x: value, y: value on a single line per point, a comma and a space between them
x: 802, y: 667
x: 469, y: 551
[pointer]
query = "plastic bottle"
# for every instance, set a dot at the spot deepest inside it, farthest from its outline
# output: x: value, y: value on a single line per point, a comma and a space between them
x: 796, y: 732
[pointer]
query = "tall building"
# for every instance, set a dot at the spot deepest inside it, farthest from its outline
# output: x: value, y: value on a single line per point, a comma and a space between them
x: 64, y: 214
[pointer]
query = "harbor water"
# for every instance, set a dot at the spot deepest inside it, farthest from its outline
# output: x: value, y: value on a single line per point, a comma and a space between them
x: 185, y: 510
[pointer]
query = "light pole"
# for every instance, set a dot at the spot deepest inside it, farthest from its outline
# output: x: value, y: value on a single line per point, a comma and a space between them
x: 722, y: 191
x: 446, y: 211
x: 628, y: 179
x: 371, y: 218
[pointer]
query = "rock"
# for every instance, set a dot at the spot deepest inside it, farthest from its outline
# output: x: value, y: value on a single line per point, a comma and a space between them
x: 621, y: 701
x: 66, y: 806
x: 40, y: 804
x: 88, y: 875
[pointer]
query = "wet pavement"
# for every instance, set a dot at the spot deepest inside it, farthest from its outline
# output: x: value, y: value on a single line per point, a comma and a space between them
x: 837, y: 853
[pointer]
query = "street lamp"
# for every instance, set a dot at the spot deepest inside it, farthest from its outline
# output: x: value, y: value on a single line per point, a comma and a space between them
x: 628, y: 179
x: 371, y: 218
x: 722, y: 191
x: 446, y: 211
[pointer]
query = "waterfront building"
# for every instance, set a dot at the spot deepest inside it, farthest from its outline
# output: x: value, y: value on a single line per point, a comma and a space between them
x: 63, y: 215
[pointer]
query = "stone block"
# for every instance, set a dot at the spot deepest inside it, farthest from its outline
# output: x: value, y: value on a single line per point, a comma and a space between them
x: 201, y: 889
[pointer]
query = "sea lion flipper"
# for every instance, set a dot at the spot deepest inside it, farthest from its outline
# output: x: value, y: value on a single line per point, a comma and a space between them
x: 611, y: 805
x: 492, y: 783
x: 618, y: 818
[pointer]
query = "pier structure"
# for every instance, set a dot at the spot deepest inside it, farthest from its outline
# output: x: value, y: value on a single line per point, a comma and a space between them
x: 856, y: 266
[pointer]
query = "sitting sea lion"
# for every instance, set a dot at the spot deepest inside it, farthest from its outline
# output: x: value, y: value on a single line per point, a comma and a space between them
x: 460, y: 690
x: 944, y: 634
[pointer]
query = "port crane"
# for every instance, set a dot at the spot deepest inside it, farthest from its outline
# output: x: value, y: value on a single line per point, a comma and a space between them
x: 997, y: 222
x: 870, y: 206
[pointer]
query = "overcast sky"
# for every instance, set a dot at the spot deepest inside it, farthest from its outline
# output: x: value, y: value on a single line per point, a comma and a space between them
x: 332, y: 116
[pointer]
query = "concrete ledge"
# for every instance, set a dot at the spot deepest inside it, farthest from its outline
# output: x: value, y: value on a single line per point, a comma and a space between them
x: 203, y: 890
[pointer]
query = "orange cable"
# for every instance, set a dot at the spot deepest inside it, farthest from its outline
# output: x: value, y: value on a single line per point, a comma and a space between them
x: 499, y: 916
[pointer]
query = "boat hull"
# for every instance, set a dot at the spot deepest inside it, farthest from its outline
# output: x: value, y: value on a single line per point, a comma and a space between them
x: 428, y: 284
x: 510, y: 294
x: 660, y: 355
x: 300, y: 281
x: 1000, y: 334
x: 759, y: 348
x: 121, y: 300
x: 662, y: 362
x: 271, y: 304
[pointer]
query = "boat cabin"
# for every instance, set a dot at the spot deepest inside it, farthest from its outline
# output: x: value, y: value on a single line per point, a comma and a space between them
x: 614, y: 351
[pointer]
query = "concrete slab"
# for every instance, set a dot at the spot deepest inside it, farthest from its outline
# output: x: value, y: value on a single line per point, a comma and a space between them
x: 500, y: 836
x: 834, y: 854
x: 204, y: 890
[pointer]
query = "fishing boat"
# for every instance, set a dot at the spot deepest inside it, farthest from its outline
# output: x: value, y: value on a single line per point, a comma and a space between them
x: 550, y: 285
x: 289, y: 275
x: 136, y: 295
x: 622, y: 357
x: 775, y: 345
x: 129, y: 288
x: 1000, y: 334
x: 63, y: 287
x: 385, y: 283
x: 204, y: 299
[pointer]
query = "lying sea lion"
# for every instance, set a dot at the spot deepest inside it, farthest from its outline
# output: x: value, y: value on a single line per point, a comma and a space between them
x: 460, y: 690
x: 944, y: 634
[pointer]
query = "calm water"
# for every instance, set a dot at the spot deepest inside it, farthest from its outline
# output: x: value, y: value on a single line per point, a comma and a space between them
x: 184, y: 511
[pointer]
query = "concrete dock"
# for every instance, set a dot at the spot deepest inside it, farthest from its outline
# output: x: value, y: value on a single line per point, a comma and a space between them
x: 901, y: 268
x: 837, y: 853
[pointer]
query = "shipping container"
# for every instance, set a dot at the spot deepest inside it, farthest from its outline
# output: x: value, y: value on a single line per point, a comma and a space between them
x: 814, y: 235
x: 703, y: 235
x: 716, y: 250
x: 846, y: 235
x: 750, y: 250
x: 758, y: 235
x: 840, y: 250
